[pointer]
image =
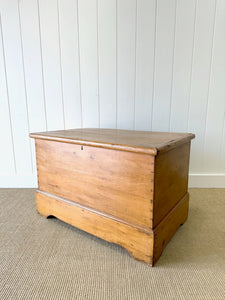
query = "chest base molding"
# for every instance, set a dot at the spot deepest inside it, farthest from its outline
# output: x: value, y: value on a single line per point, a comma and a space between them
x: 143, y: 244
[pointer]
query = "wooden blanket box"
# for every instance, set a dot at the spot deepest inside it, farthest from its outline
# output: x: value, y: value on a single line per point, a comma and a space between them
x: 126, y: 187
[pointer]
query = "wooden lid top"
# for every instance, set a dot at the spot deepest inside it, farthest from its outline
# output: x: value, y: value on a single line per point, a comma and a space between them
x: 148, y: 142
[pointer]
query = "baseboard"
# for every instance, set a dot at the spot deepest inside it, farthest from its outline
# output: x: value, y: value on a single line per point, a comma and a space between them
x: 18, y: 181
x: 207, y: 180
x: 195, y: 181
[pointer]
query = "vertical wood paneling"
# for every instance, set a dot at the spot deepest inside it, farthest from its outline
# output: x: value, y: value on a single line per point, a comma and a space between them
x: 183, y: 49
x: 145, y: 55
x: 30, y: 39
x: 126, y: 35
x: 68, y: 18
x: 16, y: 88
x: 221, y: 158
x: 50, y: 44
x: 28, y: 10
x: 135, y: 64
x: 165, y: 29
x: 201, y: 79
x: 216, y: 98
x: 107, y: 62
x: 7, y: 164
x: 89, y: 61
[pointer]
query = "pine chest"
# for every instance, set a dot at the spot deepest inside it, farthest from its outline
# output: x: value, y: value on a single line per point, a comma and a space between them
x: 126, y: 187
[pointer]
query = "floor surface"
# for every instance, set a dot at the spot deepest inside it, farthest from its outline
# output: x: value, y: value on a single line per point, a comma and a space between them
x: 48, y: 259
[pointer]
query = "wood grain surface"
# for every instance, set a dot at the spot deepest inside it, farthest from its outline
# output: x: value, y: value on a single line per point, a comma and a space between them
x: 169, y: 225
x: 126, y: 187
x: 115, y: 182
x: 144, y: 246
x: 126, y: 140
x: 138, y: 243
x: 170, y: 180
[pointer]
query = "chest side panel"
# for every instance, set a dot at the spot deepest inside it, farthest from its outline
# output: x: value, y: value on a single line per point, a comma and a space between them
x: 171, y: 180
x: 114, y: 182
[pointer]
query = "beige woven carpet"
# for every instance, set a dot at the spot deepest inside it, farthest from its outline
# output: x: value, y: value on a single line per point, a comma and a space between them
x: 48, y: 259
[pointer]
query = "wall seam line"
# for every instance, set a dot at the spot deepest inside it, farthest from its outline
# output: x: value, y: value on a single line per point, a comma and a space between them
x: 78, y: 46
x: 42, y: 66
x: 98, y: 71
x: 209, y: 81
x: 116, y: 63
x: 173, y: 59
x: 24, y: 83
x: 154, y: 64
x: 192, y: 62
x: 60, y: 65
x: 135, y: 66
x: 7, y: 93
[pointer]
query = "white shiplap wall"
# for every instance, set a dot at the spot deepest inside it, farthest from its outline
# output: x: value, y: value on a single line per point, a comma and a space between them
x: 134, y: 64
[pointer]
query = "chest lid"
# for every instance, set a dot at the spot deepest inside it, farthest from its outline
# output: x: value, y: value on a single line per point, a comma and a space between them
x: 148, y: 142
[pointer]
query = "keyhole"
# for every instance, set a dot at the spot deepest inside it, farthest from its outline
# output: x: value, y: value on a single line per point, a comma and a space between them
x: 82, y: 148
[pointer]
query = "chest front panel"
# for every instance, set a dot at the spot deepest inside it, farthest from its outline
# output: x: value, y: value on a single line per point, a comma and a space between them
x: 117, y: 183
